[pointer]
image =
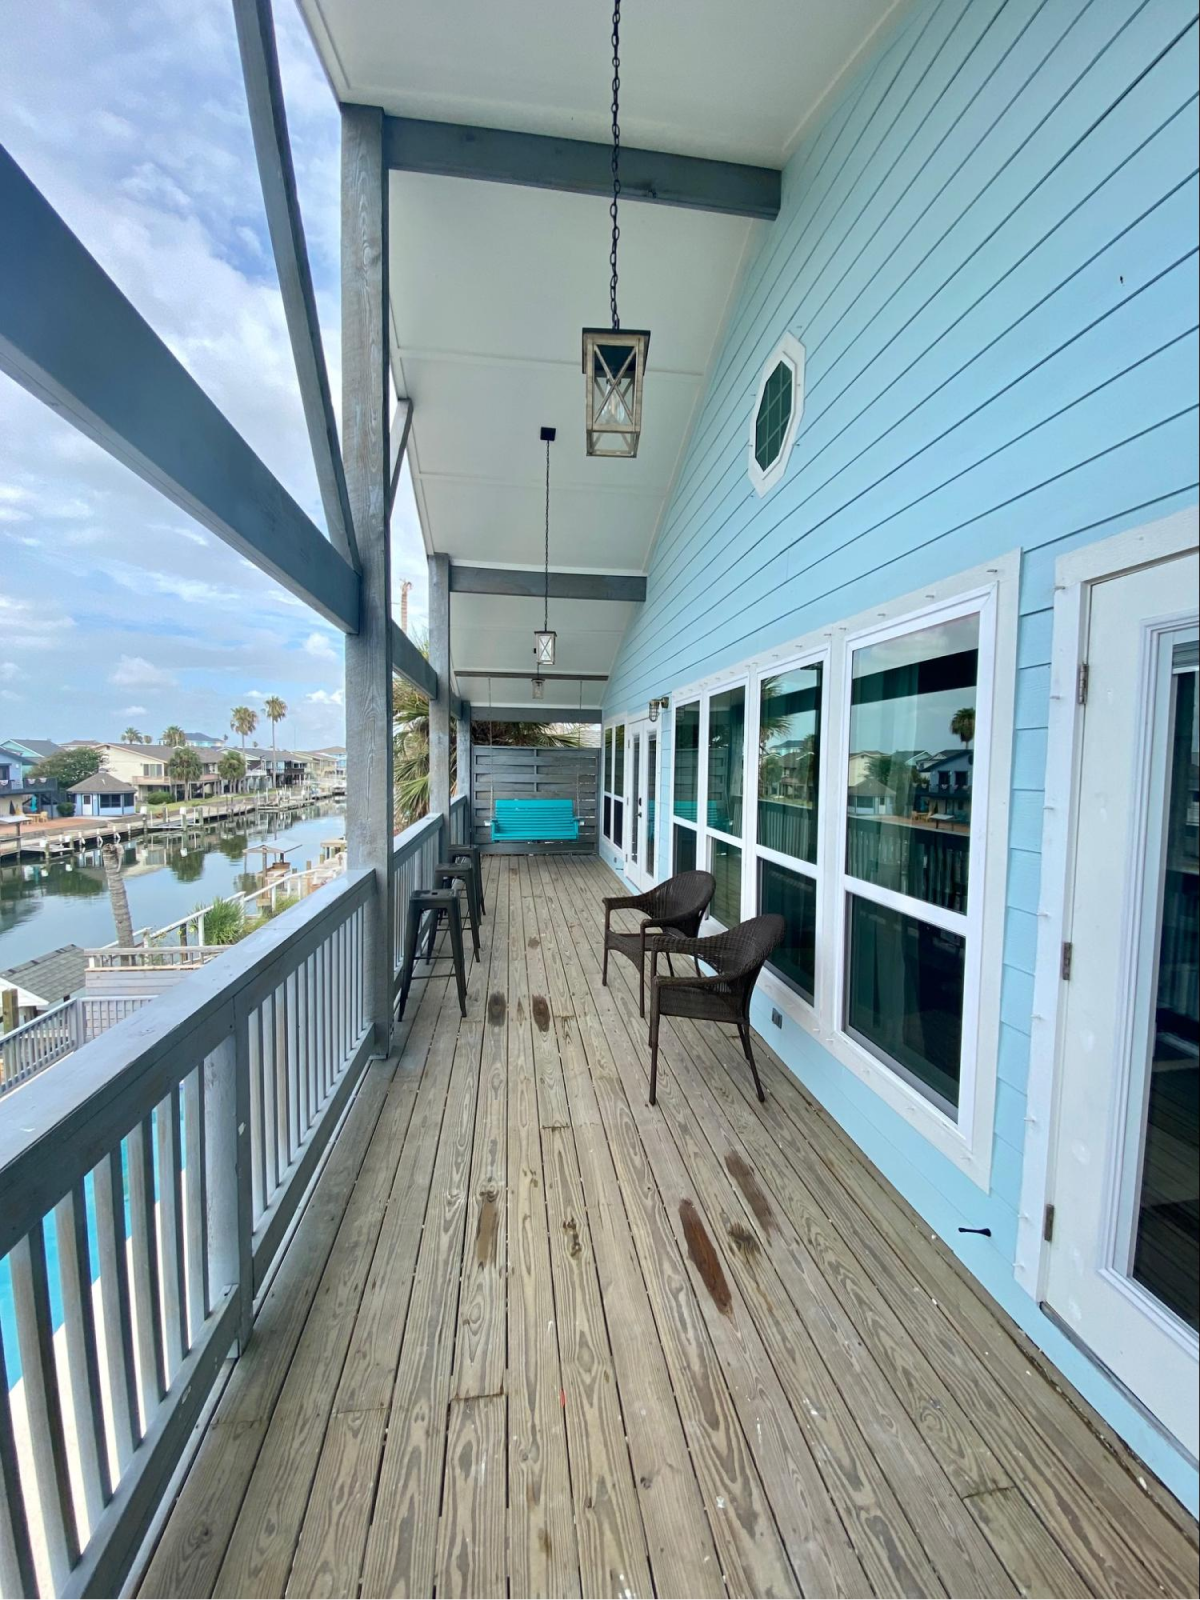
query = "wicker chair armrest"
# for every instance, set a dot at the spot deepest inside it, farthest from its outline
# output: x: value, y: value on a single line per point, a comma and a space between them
x: 711, y: 948
x: 627, y: 902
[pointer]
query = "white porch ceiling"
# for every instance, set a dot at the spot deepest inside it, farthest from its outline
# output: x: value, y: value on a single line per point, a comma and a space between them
x: 492, y: 283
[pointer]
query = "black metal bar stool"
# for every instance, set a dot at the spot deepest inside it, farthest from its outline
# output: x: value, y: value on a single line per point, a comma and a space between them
x: 434, y: 904
x: 470, y: 852
x: 445, y: 874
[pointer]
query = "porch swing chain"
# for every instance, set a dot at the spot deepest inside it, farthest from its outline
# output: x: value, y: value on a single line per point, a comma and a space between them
x: 616, y: 159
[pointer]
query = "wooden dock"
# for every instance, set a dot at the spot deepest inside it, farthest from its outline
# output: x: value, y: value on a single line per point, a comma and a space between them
x: 533, y: 1336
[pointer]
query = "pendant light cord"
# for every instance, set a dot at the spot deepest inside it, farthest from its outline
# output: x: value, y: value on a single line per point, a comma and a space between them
x: 546, y: 596
x: 616, y: 160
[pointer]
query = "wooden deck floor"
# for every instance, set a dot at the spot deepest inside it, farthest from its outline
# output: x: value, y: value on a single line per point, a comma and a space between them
x: 535, y: 1337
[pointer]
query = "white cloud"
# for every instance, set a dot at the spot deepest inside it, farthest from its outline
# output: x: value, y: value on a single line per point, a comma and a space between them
x: 136, y: 672
x: 321, y: 646
x: 7, y: 694
x: 134, y: 711
x: 325, y: 697
x: 9, y: 672
x: 255, y: 694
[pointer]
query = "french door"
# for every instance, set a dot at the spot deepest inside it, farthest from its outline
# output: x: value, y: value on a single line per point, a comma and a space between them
x: 641, y: 769
x: 1123, y: 1269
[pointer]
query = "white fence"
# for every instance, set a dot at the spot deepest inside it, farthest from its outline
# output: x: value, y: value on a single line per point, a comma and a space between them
x: 204, y: 1116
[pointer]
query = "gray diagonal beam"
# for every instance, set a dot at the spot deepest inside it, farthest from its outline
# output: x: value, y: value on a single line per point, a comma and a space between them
x: 579, y: 166
x: 408, y: 661
x: 268, y: 124
x: 69, y: 336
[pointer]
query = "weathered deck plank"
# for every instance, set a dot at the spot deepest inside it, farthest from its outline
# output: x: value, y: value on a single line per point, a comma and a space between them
x: 535, y: 1336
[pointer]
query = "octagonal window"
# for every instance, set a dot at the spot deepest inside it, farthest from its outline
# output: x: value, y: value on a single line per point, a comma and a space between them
x: 774, y: 414
x: 777, y: 409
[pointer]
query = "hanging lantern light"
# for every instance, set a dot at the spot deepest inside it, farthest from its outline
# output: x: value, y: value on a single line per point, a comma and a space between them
x: 614, y: 359
x: 544, y: 638
x: 538, y: 687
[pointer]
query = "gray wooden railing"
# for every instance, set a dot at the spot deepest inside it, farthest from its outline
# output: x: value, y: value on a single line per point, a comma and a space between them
x: 59, y: 1032
x: 202, y: 1118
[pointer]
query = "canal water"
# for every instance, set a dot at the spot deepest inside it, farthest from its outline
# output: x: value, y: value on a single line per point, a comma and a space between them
x: 67, y: 902
x: 42, y: 908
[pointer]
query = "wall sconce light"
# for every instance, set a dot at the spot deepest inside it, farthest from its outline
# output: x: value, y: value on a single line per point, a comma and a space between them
x: 658, y: 705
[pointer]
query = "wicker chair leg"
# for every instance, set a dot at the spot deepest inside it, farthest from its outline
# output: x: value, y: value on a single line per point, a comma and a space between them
x: 744, y: 1035
x: 604, y: 967
x: 642, y: 986
x: 653, y: 1055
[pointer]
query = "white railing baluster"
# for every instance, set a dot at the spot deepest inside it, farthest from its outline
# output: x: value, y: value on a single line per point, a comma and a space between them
x: 116, y: 1306
x: 83, y: 1361
x: 147, y: 1314
x: 47, y: 1438
x: 195, y: 1198
x: 167, y: 1119
x: 17, y: 1574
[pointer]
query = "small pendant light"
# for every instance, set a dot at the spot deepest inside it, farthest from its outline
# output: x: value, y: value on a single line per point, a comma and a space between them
x: 614, y: 361
x: 544, y: 638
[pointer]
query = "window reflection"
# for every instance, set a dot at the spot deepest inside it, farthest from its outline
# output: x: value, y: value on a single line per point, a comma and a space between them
x: 687, y: 761
x: 726, y: 759
x: 912, y: 734
x: 794, y: 896
x: 1167, y: 1245
x: 904, y: 996
x: 685, y: 849
x: 725, y: 864
x: 789, y: 760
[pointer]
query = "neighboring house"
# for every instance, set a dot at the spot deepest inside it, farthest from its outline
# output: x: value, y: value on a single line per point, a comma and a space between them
x: 204, y: 741
x: 25, y: 753
x: 948, y: 779
x: 337, y: 754
x: 280, y: 768
x: 104, y: 795
x: 146, y: 767
x: 21, y: 795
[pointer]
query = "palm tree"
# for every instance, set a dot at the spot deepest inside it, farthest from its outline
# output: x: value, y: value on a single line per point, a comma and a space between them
x: 185, y: 767
x: 243, y: 721
x: 113, y: 859
x: 131, y: 736
x: 962, y: 724
x: 275, y: 710
x: 174, y: 736
x: 232, y: 768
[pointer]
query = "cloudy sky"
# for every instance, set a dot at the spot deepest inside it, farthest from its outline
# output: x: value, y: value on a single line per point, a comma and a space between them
x: 116, y: 608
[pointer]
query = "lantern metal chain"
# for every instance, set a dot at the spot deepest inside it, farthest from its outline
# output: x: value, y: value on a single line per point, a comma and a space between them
x: 616, y: 160
x: 546, y: 596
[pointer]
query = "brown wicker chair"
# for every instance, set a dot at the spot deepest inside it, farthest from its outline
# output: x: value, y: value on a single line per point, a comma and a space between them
x: 675, y: 907
x: 737, y: 958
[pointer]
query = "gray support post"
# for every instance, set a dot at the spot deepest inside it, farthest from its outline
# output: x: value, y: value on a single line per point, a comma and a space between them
x: 462, y: 751
x: 365, y: 425
x: 439, y: 707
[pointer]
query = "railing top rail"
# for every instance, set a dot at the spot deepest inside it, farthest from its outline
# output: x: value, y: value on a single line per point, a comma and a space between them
x: 410, y: 841
x: 63, y: 1123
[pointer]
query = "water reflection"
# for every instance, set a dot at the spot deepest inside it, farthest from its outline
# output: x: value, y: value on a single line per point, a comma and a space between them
x: 43, y: 907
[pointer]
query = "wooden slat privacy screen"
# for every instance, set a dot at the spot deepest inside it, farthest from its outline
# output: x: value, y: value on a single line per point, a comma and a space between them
x: 535, y: 772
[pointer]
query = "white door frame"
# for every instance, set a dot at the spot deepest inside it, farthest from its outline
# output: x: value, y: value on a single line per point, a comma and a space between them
x: 1074, y: 575
x: 638, y: 729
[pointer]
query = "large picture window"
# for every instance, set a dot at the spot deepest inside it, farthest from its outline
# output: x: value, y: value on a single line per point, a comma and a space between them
x: 844, y: 786
x: 909, y: 795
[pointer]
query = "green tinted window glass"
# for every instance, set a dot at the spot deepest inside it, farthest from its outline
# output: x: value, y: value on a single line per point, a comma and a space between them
x: 725, y: 864
x: 794, y: 897
x: 789, y: 762
x: 685, y: 849
x: 774, y: 414
x: 619, y: 759
x: 726, y: 760
x: 687, y: 760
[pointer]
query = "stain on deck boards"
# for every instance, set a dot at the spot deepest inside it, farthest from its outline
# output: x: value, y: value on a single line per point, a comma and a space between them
x: 742, y: 1174
x: 497, y: 1005
x: 487, y: 1226
x: 541, y: 1013
x: 742, y: 1239
x: 704, y: 1257
x: 571, y: 1229
x: 534, y: 942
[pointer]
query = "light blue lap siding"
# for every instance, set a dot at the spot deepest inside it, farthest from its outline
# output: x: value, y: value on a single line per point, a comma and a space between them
x: 989, y: 251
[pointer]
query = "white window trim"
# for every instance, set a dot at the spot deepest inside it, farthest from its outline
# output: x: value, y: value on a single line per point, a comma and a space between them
x: 1074, y: 575
x: 677, y: 703
x: 967, y: 1143
x: 776, y: 987
x: 790, y: 351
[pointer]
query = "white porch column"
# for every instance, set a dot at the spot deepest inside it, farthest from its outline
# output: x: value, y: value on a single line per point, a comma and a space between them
x: 439, y: 709
x: 365, y: 445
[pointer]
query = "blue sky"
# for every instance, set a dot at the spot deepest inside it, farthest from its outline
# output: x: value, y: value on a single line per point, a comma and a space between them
x: 115, y: 607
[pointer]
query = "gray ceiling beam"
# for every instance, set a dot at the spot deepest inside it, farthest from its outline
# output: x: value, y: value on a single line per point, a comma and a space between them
x: 532, y: 672
x: 531, y: 583
x: 412, y: 666
x: 268, y: 124
x: 536, y: 713
x: 69, y: 336
x: 578, y: 166
x: 401, y: 428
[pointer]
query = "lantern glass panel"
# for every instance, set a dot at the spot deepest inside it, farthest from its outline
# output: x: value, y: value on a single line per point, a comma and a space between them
x: 544, y: 646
